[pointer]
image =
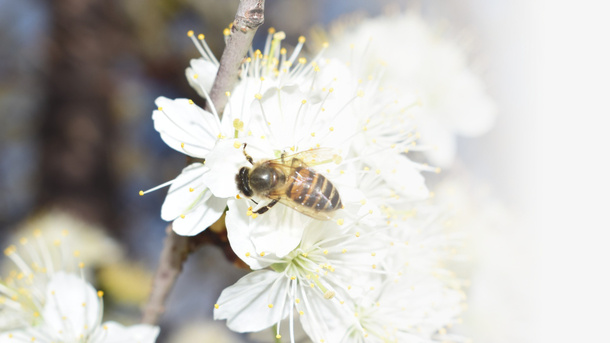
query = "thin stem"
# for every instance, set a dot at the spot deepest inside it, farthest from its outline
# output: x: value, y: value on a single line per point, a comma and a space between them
x: 249, y: 16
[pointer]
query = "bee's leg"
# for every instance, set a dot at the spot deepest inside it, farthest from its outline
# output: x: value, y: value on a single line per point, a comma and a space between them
x: 267, y: 207
x: 248, y: 157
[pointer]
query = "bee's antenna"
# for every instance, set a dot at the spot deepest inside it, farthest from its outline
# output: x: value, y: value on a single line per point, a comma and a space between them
x: 248, y: 157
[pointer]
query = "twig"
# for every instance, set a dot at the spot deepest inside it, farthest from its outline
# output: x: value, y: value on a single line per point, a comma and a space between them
x: 249, y: 16
x: 176, y: 249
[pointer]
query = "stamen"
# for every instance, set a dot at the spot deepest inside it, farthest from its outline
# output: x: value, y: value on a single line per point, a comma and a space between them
x: 168, y: 183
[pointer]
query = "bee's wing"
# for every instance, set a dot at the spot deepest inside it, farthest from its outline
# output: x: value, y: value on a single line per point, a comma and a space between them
x: 297, y: 179
x: 311, y: 157
x: 305, y: 210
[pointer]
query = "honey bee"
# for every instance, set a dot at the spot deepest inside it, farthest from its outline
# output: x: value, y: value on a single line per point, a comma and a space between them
x: 290, y: 181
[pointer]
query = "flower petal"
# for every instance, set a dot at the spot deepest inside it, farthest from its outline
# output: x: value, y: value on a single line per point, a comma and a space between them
x: 71, y: 302
x: 185, y: 127
x: 117, y: 333
x: 201, y: 75
x: 277, y: 232
x: 186, y: 192
x: 224, y: 162
x: 200, y: 218
x: 255, y: 302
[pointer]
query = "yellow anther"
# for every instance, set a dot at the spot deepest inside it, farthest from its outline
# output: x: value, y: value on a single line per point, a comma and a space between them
x: 262, y: 254
x: 227, y: 93
x: 182, y: 145
x: 374, y: 266
x: 283, y: 51
x: 236, y: 144
x: 191, y: 189
x: 216, y: 306
x: 312, y: 285
x: 313, y: 134
x: 340, y: 221
x: 360, y: 93
x: 190, y: 33
x: 303, y: 101
x: 325, y: 252
x: 160, y: 108
x: 237, y: 196
x: 100, y: 294
x: 201, y: 36
x: 254, y: 215
x: 278, y: 336
x: 195, y: 76
x: 377, y: 171
x: 270, y: 305
x: 141, y: 193
x: 357, y: 234
x: 325, y: 45
x: 302, y: 60
x: 226, y: 32
x: 258, y: 96
x: 279, y: 35
x: 301, y: 313
x: 302, y: 39
x: 81, y: 265
x: 330, y: 90
x: 191, y: 101
x: 271, y: 30
x: 248, y: 254
x: 182, y: 216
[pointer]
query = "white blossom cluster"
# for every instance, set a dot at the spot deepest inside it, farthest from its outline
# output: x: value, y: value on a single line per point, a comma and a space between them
x: 45, y: 298
x: 371, y: 270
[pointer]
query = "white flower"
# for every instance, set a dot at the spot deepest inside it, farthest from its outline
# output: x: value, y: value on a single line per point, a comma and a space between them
x: 419, y: 60
x: 281, y: 105
x: 309, y: 283
x: 43, y: 303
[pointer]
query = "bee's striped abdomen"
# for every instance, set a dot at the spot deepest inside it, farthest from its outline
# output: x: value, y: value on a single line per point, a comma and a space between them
x: 312, y: 190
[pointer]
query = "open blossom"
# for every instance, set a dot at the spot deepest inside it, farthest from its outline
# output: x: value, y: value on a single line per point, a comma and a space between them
x: 282, y: 105
x: 44, y: 300
x: 454, y: 99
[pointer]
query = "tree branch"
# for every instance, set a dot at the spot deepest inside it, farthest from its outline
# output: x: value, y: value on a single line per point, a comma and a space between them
x: 249, y: 16
x: 176, y: 249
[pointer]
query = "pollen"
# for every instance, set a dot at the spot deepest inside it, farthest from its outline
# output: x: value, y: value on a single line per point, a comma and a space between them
x: 191, y: 189
x: 141, y: 193
x: 302, y: 60
x: 331, y: 129
x: 195, y: 76
x: 340, y: 221
x: 278, y: 336
x: 216, y: 306
x: 227, y: 93
x: 237, y: 196
x: 270, y: 305
x: 302, y: 39
x: 190, y: 33
x: 357, y: 234
x: 248, y: 254
x: 236, y: 145
x: 254, y: 215
x: 301, y: 313
x: 226, y: 32
x: 343, y: 251
x: 258, y: 96
x: 182, y: 145
x: 374, y: 266
x: 325, y: 252
x: 262, y: 254
x: 201, y: 36
x: 303, y: 101
x: 182, y: 216
x: 313, y: 134
x: 100, y: 294
x: 160, y: 108
x: 191, y: 102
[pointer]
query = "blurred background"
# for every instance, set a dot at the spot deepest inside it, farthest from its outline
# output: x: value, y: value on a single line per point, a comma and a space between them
x: 78, y: 79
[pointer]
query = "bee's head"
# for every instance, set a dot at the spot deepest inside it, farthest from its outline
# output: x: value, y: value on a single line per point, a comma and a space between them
x: 241, y: 179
